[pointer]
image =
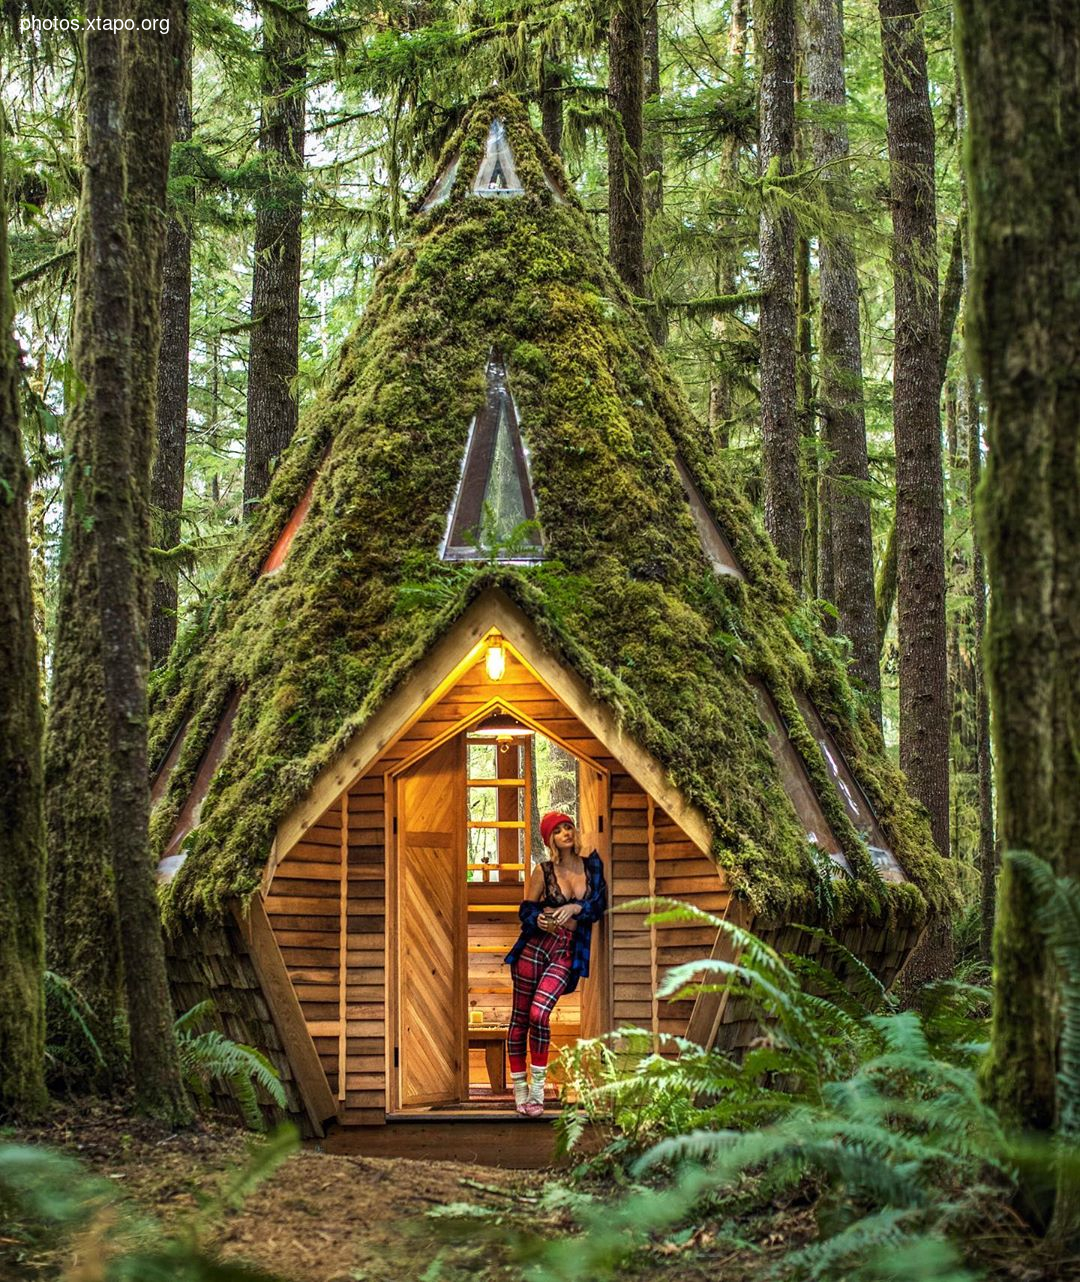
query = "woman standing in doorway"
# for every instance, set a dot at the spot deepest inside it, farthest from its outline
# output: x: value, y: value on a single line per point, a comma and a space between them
x: 565, y: 895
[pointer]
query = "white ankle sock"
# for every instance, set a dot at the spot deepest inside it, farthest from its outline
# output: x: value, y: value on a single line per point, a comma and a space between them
x: 521, y: 1087
x: 536, y: 1089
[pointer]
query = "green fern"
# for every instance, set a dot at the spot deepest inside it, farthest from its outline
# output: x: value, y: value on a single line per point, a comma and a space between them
x: 211, y: 1055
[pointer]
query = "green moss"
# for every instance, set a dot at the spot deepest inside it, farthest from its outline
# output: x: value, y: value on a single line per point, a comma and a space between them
x: 627, y: 598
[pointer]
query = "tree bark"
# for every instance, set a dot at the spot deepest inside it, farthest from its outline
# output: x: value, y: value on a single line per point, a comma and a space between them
x: 1022, y: 92
x: 81, y: 923
x: 130, y: 103
x: 167, y: 478
x: 840, y: 398
x: 273, y: 358
x: 721, y: 395
x: 22, y: 814
x: 626, y: 197
x: 784, y: 516
x: 924, y: 713
x: 987, y: 850
x: 885, y: 590
x: 551, y: 105
x: 652, y: 162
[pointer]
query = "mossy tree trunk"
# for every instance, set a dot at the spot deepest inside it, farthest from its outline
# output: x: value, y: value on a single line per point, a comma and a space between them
x: 82, y: 929
x: 22, y: 814
x: 846, y: 470
x: 721, y: 385
x: 784, y: 513
x: 274, y: 353
x: 153, y: 76
x: 987, y: 849
x: 626, y: 194
x: 131, y: 86
x: 1022, y: 92
x: 167, y: 478
x: 920, y: 532
x: 652, y: 161
x: 551, y: 89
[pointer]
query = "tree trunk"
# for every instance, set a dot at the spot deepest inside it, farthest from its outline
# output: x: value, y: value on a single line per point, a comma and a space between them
x: 806, y: 406
x: 784, y: 517
x: 167, y: 478
x: 885, y: 591
x: 721, y: 397
x: 924, y: 713
x: 551, y: 106
x: 626, y: 200
x: 652, y: 163
x: 987, y: 851
x: 843, y: 420
x: 273, y: 357
x: 82, y: 932
x: 130, y: 103
x: 1020, y: 73
x: 22, y: 814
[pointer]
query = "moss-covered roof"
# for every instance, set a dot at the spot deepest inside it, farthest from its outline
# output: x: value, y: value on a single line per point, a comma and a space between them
x: 626, y: 596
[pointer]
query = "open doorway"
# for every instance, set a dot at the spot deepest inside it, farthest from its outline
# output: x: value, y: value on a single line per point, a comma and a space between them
x: 468, y: 824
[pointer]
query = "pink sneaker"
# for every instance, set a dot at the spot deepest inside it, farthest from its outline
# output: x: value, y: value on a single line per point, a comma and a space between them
x: 533, y: 1109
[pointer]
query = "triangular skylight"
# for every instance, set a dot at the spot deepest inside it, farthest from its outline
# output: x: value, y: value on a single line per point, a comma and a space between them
x: 494, y: 500
x: 441, y: 191
x: 497, y: 175
x: 713, y: 540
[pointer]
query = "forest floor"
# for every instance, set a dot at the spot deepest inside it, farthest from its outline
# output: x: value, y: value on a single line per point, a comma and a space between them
x: 328, y: 1218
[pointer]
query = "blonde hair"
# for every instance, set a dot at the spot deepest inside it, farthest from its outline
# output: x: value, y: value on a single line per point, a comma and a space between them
x: 556, y: 855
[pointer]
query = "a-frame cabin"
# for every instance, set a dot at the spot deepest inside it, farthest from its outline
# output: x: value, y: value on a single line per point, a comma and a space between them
x: 498, y: 569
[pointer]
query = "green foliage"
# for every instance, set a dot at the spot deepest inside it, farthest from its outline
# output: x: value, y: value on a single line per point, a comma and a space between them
x: 50, y: 1204
x: 873, y: 1113
x: 243, y: 1069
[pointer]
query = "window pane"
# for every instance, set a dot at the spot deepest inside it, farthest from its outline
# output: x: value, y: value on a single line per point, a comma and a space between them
x: 497, y: 175
x: 482, y: 849
x: 483, y: 805
x: 481, y: 761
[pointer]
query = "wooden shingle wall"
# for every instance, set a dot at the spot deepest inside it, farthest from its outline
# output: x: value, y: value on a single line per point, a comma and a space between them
x: 213, y: 963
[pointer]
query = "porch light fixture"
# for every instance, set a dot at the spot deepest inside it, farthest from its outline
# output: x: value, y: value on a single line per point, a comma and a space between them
x: 500, y: 725
x: 495, y: 659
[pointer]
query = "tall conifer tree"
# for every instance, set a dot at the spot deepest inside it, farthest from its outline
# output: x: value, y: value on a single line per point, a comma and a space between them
x: 22, y: 809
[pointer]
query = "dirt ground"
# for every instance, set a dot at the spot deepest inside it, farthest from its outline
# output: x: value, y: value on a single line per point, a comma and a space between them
x: 329, y: 1218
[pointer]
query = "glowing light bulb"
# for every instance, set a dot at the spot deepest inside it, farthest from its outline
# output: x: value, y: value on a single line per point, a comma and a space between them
x: 495, y: 661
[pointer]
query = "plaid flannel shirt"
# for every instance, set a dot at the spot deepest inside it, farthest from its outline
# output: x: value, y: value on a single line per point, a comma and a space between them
x: 593, y: 907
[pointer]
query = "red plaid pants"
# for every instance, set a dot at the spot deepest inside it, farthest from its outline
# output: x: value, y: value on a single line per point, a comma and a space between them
x: 540, y: 976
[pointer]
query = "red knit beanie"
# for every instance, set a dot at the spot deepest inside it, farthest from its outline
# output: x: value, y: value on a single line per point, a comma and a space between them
x: 550, y: 822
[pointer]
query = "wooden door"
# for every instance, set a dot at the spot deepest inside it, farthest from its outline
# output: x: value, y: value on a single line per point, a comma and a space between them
x: 594, y: 824
x: 432, y: 929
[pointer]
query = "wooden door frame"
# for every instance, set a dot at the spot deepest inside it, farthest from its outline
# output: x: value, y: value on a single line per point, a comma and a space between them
x: 602, y: 942
x: 392, y: 782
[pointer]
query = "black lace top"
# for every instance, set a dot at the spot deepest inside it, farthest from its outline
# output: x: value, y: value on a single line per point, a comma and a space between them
x: 553, y: 895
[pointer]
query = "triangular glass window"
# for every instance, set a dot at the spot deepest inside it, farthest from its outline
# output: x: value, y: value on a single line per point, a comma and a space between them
x: 713, y: 541
x: 494, y: 509
x: 851, y: 795
x: 497, y: 175
x: 441, y: 191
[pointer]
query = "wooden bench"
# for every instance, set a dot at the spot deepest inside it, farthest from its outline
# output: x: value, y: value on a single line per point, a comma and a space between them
x: 491, y: 1039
